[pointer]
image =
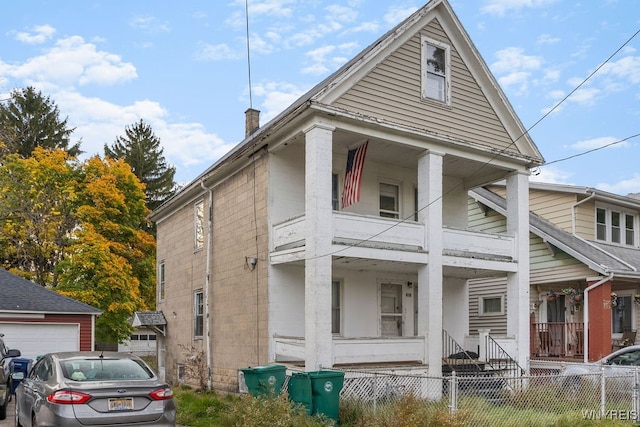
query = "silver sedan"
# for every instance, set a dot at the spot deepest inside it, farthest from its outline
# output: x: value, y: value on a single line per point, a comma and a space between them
x: 93, y: 388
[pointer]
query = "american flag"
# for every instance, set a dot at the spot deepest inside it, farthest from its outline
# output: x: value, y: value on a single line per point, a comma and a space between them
x: 353, y: 176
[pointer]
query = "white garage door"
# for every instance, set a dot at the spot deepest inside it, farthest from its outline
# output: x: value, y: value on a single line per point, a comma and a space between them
x: 34, y: 339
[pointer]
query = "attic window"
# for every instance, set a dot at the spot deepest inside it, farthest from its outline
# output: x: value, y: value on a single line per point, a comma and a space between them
x: 435, y: 70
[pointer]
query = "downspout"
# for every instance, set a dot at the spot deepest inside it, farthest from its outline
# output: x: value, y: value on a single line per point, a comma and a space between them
x: 206, y: 284
x: 573, y: 211
x: 585, y: 329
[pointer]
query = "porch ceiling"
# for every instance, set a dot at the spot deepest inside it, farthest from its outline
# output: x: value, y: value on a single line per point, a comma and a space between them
x: 385, y: 151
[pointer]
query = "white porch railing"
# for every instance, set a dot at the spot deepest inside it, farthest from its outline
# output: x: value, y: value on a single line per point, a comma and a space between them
x: 354, y: 227
x: 357, y: 350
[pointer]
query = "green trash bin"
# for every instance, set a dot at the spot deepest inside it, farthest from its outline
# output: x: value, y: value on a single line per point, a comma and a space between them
x: 299, y: 389
x: 264, y: 379
x: 325, y: 392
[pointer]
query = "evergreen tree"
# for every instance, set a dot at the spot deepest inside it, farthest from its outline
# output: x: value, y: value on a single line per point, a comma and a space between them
x: 141, y: 149
x: 29, y: 120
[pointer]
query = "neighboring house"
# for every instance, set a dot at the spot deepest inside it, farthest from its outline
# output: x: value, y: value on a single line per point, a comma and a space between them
x: 143, y: 341
x: 258, y: 261
x: 36, y: 320
x: 585, y: 247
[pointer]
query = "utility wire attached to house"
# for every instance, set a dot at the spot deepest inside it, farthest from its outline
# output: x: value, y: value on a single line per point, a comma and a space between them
x: 544, y: 116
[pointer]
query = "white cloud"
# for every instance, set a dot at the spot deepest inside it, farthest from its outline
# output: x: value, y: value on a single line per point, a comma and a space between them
x: 397, y: 14
x: 72, y: 61
x: 547, y: 39
x: 149, y: 24
x: 624, y: 187
x: 276, y: 97
x: 209, y: 52
x: 550, y: 174
x: 517, y: 68
x: 39, y: 34
x: 626, y: 68
x: 500, y: 7
x: 596, y: 143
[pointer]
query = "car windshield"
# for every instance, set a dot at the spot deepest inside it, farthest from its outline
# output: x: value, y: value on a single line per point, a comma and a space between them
x: 101, y: 369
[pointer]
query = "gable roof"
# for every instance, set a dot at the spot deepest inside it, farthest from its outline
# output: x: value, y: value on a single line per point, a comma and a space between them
x: 320, y: 97
x: 602, y: 258
x: 18, y: 295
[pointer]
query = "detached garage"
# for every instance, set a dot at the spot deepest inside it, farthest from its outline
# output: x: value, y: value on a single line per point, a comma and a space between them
x: 36, y: 320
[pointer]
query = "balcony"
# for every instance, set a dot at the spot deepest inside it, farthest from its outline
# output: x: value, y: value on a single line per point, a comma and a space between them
x: 357, y: 350
x: 288, y: 239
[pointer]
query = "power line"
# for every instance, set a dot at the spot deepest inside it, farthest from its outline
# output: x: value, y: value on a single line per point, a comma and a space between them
x: 582, y: 83
x: 592, y: 150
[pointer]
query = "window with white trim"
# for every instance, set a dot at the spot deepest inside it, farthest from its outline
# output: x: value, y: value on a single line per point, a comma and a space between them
x: 161, y: 281
x: 389, y: 203
x: 622, y: 314
x: 336, y: 295
x: 198, y: 314
x: 435, y: 70
x: 198, y: 212
x: 616, y: 226
x: 491, y: 305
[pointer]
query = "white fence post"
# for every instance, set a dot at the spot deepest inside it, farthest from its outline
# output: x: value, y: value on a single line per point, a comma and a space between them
x: 603, y: 393
x: 453, y: 392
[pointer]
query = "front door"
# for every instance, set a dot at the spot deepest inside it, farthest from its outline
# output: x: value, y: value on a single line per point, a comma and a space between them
x: 391, y: 310
x: 556, y: 324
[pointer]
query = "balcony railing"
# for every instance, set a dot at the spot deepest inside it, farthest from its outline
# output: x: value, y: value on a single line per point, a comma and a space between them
x: 557, y: 339
x: 349, y: 227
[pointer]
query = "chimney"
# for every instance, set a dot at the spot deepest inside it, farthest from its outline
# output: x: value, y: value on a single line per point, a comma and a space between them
x: 252, y: 121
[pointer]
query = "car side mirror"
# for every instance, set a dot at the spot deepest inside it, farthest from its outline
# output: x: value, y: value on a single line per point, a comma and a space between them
x: 13, y: 353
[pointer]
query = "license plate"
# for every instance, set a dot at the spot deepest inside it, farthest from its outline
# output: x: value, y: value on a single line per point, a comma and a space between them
x: 123, y: 404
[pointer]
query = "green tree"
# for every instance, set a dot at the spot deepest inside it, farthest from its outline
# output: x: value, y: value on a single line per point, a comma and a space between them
x: 141, y: 149
x: 29, y: 120
x: 37, y: 201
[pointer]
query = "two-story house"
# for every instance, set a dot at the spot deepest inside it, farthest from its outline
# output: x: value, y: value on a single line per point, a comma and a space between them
x: 298, y: 248
x: 584, y: 267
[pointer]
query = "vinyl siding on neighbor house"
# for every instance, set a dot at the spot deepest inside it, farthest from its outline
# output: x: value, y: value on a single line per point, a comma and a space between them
x: 392, y: 92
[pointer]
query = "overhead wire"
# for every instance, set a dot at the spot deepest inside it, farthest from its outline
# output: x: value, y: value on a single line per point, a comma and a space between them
x: 488, y: 162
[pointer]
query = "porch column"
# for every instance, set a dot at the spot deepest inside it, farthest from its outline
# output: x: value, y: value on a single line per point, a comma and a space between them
x: 518, y: 282
x: 430, y: 275
x: 318, y: 232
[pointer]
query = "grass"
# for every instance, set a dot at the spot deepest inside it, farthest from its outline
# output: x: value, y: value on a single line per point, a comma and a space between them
x: 200, y: 409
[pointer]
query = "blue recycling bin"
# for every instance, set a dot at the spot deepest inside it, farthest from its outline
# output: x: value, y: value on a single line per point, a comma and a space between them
x: 19, y: 369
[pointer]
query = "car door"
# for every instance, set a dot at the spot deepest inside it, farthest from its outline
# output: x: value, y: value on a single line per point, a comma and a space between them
x: 33, y: 388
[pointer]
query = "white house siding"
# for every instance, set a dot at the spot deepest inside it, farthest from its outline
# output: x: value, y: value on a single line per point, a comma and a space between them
x: 392, y: 92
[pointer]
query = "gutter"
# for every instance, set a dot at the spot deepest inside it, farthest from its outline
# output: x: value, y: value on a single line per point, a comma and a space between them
x: 585, y: 329
x: 206, y: 284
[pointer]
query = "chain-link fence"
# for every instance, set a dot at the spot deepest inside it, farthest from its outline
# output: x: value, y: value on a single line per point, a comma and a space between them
x: 491, y: 398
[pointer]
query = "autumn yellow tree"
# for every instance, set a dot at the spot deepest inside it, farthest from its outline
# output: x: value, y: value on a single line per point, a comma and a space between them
x: 111, y: 262
x: 38, y: 196
x: 77, y: 227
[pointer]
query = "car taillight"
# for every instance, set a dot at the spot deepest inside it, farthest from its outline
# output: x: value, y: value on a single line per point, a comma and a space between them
x: 163, y: 393
x: 68, y: 397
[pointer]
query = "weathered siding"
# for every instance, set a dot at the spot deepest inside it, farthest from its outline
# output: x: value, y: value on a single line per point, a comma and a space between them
x: 392, y: 91
x: 486, y: 287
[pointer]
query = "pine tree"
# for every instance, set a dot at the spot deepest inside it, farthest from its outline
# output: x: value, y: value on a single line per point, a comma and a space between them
x: 30, y: 120
x: 141, y: 149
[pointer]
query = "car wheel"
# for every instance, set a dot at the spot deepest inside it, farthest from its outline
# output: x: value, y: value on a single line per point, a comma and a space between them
x: 3, y: 408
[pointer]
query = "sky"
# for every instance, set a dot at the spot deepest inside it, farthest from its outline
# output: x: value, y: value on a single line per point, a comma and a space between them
x: 183, y: 68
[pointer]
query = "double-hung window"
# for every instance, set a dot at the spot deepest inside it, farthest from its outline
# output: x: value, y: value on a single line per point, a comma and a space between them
x: 616, y: 226
x: 336, y: 296
x: 198, y: 314
x: 389, y: 204
x: 435, y: 70
x: 161, y: 281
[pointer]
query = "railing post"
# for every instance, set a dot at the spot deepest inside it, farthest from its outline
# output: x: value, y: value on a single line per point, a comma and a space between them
x: 635, y: 404
x: 482, y: 353
x: 603, y: 393
x: 453, y: 392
